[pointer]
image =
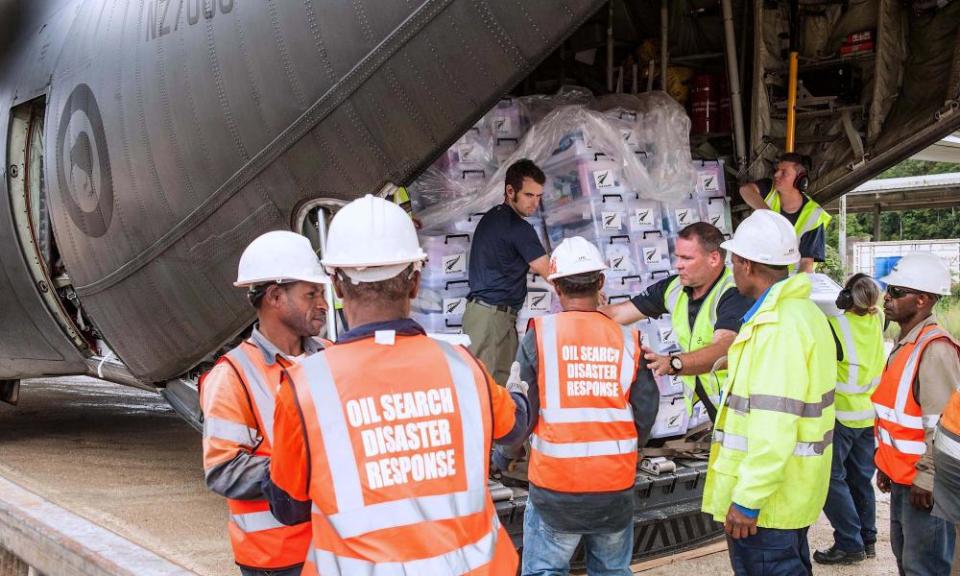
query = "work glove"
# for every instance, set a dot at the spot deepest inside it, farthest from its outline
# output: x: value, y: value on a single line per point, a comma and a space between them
x: 514, y: 383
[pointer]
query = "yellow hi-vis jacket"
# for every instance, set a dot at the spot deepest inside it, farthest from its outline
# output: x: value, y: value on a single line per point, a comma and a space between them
x: 772, y: 443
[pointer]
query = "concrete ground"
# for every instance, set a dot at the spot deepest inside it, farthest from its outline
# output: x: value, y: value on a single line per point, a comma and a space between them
x: 821, y: 536
x: 120, y: 457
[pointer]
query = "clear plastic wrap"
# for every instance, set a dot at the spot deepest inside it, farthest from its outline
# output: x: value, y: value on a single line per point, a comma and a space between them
x: 569, y: 131
x: 663, y: 133
x: 537, y: 106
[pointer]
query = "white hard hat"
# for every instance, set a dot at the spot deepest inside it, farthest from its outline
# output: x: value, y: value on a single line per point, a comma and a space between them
x: 279, y: 256
x: 765, y: 237
x: 371, y: 240
x: 923, y: 271
x: 575, y: 255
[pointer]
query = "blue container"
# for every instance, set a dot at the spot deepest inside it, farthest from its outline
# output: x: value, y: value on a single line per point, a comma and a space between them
x: 882, y: 265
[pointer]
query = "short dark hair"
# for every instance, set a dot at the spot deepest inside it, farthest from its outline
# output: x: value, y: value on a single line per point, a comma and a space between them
x: 801, y: 160
x: 578, y: 285
x: 709, y: 236
x: 389, y: 290
x: 523, y: 168
x: 256, y: 293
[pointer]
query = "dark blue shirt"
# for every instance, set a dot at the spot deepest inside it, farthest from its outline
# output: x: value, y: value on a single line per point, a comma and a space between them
x: 503, y: 247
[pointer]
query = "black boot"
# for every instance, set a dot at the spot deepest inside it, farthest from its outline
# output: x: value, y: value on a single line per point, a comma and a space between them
x: 834, y: 555
x: 870, y: 550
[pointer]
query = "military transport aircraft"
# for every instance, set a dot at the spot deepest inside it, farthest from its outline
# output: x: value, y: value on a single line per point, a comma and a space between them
x: 145, y: 143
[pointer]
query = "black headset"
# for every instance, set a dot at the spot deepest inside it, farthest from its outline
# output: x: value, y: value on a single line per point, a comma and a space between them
x: 802, y: 181
x: 845, y: 297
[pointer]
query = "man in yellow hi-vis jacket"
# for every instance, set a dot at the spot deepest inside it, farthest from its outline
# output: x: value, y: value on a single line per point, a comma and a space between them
x: 770, y: 461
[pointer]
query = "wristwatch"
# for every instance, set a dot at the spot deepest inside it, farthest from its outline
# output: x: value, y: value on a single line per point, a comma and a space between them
x: 676, y: 364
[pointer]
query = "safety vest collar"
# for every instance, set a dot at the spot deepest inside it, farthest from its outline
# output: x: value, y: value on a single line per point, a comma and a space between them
x: 811, y: 216
x: 678, y: 297
x: 271, y: 352
x: 913, y: 335
x: 354, y: 517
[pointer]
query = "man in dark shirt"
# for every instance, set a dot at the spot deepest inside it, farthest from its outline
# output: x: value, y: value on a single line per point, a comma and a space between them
x: 505, y: 247
x: 705, y: 308
x: 786, y: 194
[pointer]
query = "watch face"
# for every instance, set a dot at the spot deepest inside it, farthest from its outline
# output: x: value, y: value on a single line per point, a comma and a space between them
x: 676, y: 363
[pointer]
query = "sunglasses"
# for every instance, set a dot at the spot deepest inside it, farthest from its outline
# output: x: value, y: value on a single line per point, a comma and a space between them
x: 897, y: 292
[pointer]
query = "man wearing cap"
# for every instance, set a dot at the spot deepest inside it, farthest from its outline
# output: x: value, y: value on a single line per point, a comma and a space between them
x: 591, y: 407
x: 705, y: 308
x: 505, y: 247
x: 384, y: 439
x: 284, y: 282
x: 769, y: 465
x: 920, y: 375
x: 786, y: 194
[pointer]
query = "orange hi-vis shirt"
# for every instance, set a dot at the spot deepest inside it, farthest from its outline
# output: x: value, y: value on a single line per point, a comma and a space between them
x: 391, y: 443
x: 587, y: 364
x: 900, y: 423
x: 237, y: 397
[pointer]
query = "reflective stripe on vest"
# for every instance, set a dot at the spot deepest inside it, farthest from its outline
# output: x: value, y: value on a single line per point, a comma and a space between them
x: 846, y: 416
x: 260, y: 393
x: 811, y: 216
x: 861, y: 339
x: 947, y: 442
x: 214, y: 427
x: 583, y: 449
x: 456, y: 562
x: 851, y: 386
x: 676, y: 301
x: 354, y: 517
x: 256, y: 521
x: 781, y: 404
x: 900, y: 425
x: 552, y: 412
x: 739, y: 443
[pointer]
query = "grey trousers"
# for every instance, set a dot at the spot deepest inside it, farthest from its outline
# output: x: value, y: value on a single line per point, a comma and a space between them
x: 493, y: 338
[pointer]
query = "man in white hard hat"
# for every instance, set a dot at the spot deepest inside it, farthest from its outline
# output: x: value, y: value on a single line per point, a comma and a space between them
x: 592, y: 407
x: 385, y: 437
x: 769, y: 465
x: 921, y: 373
x: 284, y: 282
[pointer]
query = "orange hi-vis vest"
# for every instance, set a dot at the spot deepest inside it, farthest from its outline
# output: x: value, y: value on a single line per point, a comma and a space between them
x: 900, y: 421
x: 585, y: 439
x: 948, y: 430
x: 398, y: 438
x: 259, y: 540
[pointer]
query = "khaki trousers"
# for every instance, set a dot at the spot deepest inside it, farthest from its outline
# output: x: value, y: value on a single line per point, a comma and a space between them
x: 493, y: 338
